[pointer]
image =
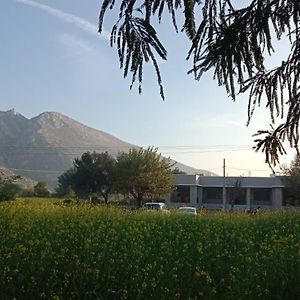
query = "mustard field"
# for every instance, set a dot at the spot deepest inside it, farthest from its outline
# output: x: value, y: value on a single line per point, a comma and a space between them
x: 51, y: 251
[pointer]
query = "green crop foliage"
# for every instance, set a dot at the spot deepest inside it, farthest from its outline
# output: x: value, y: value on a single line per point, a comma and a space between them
x: 52, y: 251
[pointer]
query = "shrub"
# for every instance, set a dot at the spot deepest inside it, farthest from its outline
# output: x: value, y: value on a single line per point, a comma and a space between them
x: 41, y: 189
x: 8, y: 191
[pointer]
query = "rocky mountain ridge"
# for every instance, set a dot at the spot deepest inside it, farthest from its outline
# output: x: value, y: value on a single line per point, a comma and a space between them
x: 23, y: 182
x: 43, y: 147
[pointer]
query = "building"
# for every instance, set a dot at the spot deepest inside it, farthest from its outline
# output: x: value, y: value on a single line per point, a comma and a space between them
x: 226, y: 192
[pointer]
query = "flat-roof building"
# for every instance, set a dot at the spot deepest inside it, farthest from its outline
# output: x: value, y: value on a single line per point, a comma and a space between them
x: 227, y: 192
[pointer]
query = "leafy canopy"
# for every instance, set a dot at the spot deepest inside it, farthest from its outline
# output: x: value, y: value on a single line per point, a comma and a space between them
x: 230, y: 41
x: 292, y: 180
x: 8, y: 188
x: 66, y: 183
x: 143, y: 173
x: 93, y: 175
x: 41, y: 189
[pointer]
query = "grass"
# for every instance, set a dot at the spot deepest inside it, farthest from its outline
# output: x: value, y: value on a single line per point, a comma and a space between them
x: 51, y: 251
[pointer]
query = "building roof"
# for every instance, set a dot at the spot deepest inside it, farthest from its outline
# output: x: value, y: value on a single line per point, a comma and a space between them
x: 230, y: 181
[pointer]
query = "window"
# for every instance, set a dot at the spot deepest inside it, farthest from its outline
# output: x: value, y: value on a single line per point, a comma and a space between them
x: 182, y: 194
x: 212, y: 195
x: 261, y: 196
x: 236, y: 195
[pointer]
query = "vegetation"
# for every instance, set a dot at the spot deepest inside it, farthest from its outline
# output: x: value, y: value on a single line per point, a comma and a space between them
x: 91, y: 177
x: 143, y: 173
x: 41, y: 189
x: 292, y: 181
x: 230, y: 40
x: 66, y: 184
x: 8, y: 190
x: 139, y: 173
x: 94, y: 175
x: 50, y: 251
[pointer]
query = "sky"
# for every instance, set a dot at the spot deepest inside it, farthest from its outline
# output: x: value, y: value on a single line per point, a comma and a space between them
x: 53, y: 59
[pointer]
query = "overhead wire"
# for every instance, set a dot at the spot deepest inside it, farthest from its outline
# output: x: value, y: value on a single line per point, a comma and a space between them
x: 71, y: 150
x: 78, y: 150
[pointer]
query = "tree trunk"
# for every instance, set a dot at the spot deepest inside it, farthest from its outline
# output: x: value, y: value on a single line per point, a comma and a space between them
x: 105, y: 199
x: 139, y: 202
x: 139, y: 199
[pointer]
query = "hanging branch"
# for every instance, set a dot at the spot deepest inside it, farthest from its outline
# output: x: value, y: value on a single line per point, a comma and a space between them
x: 232, y: 43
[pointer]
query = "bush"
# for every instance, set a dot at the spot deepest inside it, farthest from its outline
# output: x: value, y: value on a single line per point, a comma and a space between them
x: 8, y: 191
x: 41, y: 189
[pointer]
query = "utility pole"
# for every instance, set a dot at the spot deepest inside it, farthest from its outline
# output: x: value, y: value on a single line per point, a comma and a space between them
x: 224, y: 186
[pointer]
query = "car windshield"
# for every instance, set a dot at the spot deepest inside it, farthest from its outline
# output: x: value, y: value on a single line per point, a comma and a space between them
x: 187, y: 209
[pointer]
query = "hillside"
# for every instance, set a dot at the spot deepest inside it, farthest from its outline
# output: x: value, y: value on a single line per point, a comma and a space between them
x: 23, y: 182
x: 43, y: 147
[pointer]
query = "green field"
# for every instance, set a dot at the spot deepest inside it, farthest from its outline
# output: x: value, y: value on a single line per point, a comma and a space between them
x: 50, y: 251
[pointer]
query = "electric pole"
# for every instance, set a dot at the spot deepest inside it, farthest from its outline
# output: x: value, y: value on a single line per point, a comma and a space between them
x: 224, y: 186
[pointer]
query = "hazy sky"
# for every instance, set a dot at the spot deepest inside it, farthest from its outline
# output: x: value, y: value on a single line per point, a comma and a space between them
x: 53, y: 59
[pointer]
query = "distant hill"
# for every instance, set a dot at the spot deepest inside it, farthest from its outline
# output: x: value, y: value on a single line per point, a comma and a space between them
x: 45, y: 146
x: 23, y: 182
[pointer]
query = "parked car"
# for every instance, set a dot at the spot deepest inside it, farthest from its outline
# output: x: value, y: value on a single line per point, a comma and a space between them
x: 156, y: 206
x: 188, y: 210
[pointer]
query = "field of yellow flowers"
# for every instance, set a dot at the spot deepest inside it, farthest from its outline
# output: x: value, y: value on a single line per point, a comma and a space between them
x: 51, y: 251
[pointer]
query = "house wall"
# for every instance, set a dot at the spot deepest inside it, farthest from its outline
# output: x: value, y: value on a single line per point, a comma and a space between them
x: 266, y: 192
x: 277, y: 198
x: 193, y: 196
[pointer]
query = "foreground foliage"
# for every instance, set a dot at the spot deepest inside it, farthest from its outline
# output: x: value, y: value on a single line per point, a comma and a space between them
x: 50, y: 251
x: 230, y: 38
x: 292, y: 181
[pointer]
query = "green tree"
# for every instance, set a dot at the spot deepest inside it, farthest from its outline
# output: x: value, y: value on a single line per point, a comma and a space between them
x: 228, y: 40
x: 8, y: 189
x: 66, y: 183
x: 41, y: 189
x: 94, y: 175
x: 143, y: 173
x: 292, y: 181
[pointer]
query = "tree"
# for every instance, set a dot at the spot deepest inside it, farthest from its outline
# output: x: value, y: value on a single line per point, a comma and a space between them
x: 41, y: 189
x: 292, y: 181
x: 143, y: 173
x: 66, y: 183
x: 94, y: 175
x: 8, y: 189
x: 230, y: 41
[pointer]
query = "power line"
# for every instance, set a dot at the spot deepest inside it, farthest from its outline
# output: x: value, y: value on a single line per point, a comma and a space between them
x: 38, y: 171
x: 62, y: 171
x: 69, y: 150
x: 205, y: 151
x: 241, y: 169
x: 205, y: 146
x: 184, y: 147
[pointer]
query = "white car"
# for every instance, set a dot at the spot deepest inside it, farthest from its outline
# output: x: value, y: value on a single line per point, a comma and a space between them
x: 156, y: 206
x: 188, y: 209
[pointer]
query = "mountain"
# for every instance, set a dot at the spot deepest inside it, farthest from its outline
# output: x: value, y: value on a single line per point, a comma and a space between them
x: 23, y: 182
x: 45, y: 146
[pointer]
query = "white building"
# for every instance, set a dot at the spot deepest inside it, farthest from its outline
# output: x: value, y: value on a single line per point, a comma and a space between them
x: 229, y: 192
